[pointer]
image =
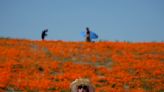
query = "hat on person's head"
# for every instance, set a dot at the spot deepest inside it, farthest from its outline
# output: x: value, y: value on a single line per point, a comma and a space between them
x: 81, y: 82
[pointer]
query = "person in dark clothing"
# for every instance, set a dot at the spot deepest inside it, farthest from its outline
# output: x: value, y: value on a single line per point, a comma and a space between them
x: 44, y: 34
x: 88, y: 39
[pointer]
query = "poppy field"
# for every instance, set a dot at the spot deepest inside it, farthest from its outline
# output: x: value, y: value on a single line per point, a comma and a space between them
x: 51, y: 66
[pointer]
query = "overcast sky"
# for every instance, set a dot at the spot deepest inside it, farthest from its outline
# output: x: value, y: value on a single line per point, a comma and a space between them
x: 130, y: 20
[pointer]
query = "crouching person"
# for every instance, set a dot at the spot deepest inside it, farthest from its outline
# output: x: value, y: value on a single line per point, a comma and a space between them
x: 82, y: 85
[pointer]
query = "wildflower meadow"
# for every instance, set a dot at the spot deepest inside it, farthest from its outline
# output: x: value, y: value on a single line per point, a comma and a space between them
x: 50, y: 66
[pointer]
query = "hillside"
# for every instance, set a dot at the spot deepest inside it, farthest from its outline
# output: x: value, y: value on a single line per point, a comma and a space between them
x: 50, y: 66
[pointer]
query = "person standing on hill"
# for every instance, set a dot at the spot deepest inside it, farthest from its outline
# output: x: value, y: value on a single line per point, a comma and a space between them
x: 88, y: 39
x: 44, y: 34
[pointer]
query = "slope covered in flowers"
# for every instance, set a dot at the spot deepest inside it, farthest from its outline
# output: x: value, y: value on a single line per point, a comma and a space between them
x: 50, y: 66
